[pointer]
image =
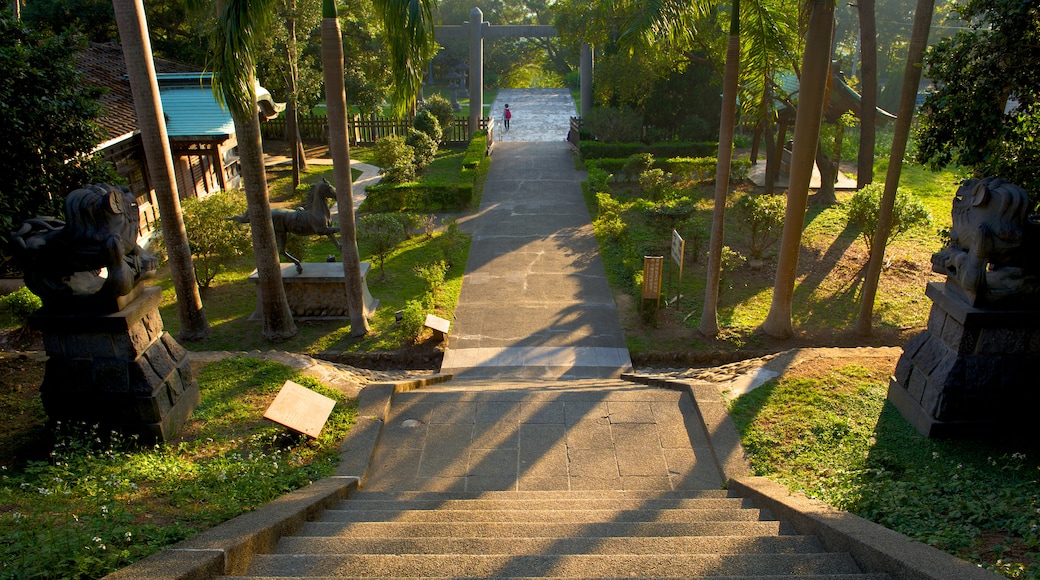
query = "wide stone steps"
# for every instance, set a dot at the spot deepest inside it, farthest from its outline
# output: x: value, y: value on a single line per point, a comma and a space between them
x: 595, y: 534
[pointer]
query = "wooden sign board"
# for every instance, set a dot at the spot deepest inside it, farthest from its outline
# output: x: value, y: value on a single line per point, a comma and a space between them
x: 652, y: 271
x: 300, y: 409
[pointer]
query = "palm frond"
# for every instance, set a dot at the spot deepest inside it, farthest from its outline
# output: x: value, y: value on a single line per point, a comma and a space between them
x: 241, y: 25
x: 408, y: 25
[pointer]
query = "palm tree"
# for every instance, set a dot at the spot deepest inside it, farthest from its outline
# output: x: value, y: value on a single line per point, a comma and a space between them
x: 812, y: 88
x: 408, y: 26
x: 868, y: 111
x: 137, y: 52
x: 339, y: 147
x: 240, y: 26
x: 907, y: 100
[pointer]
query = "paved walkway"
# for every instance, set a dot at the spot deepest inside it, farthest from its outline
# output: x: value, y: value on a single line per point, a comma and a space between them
x: 538, y: 114
x: 369, y: 175
x: 535, y: 302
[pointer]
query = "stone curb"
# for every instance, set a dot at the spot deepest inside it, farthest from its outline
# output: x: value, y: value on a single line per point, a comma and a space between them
x: 726, y: 448
x: 228, y: 548
x: 874, y: 547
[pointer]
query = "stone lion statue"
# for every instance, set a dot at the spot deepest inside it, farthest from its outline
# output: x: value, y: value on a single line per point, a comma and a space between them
x: 90, y: 259
x: 993, y: 257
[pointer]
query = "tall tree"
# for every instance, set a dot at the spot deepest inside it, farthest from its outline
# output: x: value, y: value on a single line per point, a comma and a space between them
x: 985, y: 111
x: 339, y: 147
x: 907, y: 102
x: 811, y: 95
x: 241, y: 26
x: 709, y: 315
x: 868, y: 93
x: 137, y: 52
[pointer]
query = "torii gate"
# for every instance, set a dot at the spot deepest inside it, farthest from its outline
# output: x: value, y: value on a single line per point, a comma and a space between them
x: 477, y: 30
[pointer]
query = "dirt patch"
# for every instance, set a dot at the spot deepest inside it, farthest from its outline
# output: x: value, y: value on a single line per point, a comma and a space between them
x: 24, y: 434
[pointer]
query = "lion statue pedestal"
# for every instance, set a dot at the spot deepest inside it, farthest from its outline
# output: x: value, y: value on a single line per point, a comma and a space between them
x: 110, y: 362
x: 972, y: 372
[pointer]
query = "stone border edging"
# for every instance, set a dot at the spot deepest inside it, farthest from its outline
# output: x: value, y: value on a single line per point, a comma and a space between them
x: 228, y: 548
x: 874, y: 547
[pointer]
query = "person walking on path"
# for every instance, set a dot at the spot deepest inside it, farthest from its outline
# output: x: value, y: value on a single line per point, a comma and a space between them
x: 508, y: 115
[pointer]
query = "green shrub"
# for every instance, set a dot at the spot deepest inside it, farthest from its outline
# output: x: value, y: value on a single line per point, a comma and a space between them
x: 426, y: 122
x: 695, y: 128
x: 403, y: 172
x: 432, y: 274
x: 476, y: 151
x: 597, y: 179
x: 413, y: 319
x: 393, y: 151
x: 215, y: 240
x: 731, y: 261
x: 424, y: 147
x: 440, y: 108
x: 763, y: 216
x: 865, y: 205
x: 417, y: 196
x: 661, y: 150
x: 637, y: 164
x: 654, y: 182
x: 21, y: 303
x: 384, y: 232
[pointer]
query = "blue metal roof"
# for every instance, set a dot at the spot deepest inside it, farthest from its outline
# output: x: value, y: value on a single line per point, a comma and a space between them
x: 192, y: 110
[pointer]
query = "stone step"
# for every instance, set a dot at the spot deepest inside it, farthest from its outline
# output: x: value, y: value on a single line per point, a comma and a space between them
x: 518, y: 546
x: 560, y: 565
x: 538, y: 495
x: 546, y: 504
x: 709, y: 577
x: 537, y: 530
x: 550, y: 516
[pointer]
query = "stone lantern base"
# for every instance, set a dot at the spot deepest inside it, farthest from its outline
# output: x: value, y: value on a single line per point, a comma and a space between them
x: 972, y: 372
x: 118, y: 370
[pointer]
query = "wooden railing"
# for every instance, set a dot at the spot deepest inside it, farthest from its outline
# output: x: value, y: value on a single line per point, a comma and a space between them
x: 363, y: 130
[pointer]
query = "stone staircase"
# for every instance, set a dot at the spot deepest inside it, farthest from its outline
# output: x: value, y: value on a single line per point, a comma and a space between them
x: 564, y: 534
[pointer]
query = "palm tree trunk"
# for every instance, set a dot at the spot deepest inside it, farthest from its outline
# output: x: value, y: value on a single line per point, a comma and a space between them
x: 709, y: 315
x: 868, y: 74
x: 137, y: 52
x: 907, y: 100
x: 811, y: 93
x: 278, y: 324
x: 336, y: 101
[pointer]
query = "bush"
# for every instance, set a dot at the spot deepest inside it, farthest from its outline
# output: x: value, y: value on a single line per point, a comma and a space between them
x: 440, y: 108
x: 423, y: 145
x: 417, y: 196
x: 865, y: 205
x: 763, y: 216
x: 432, y: 274
x: 597, y: 180
x: 21, y: 303
x: 413, y: 319
x: 403, y: 172
x: 215, y: 240
x: 384, y: 232
x: 392, y: 151
x: 614, y: 125
x: 637, y: 164
x: 426, y: 122
x: 695, y: 128
x: 654, y: 182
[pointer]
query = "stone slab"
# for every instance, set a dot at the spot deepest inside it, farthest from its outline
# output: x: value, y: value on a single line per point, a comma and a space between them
x: 300, y: 409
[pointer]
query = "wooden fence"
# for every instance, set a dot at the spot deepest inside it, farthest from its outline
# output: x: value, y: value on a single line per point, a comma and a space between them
x: 363, y: 130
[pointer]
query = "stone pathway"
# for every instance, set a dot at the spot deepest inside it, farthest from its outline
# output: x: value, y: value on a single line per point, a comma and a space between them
x: 538, y: 114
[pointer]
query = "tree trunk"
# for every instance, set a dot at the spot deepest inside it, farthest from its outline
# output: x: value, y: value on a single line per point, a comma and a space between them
x: 868, y: 72
x: 825, y: 196
x: 907, y: 100
x: 292, y: 132
x: 278, y: 324
x: 811, y: 95
x: 339, y: 148
x: 137, y: 52
x: 292, y: 118
x: 709, y: 315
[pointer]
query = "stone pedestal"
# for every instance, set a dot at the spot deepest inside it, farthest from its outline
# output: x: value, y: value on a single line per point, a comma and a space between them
x: 320, y: 291
x: 972, y: 372
x: 119, y: 370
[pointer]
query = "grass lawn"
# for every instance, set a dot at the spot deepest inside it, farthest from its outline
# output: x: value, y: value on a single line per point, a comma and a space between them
x: 826, y: 429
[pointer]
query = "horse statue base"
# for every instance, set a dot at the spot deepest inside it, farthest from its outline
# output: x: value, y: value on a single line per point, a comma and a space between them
x: 319, y: 291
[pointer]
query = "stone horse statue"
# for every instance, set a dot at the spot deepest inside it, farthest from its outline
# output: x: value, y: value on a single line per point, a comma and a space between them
x: 313, y: 219
x: 90, y: 260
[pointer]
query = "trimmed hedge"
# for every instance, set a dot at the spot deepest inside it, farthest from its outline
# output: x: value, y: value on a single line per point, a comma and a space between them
x: 426, y: 196
x: 686, y: 168
x: 597, y: 150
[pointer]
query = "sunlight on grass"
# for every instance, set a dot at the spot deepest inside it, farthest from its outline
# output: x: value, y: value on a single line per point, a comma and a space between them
x: 832, y: 435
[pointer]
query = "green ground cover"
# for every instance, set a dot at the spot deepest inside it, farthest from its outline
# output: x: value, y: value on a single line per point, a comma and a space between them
x: 92, y: 502
x: 829, y: 432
